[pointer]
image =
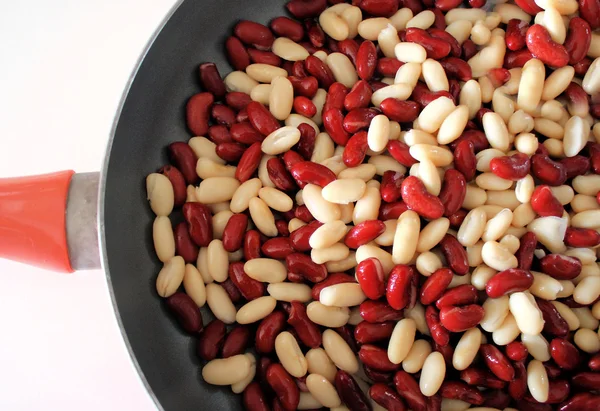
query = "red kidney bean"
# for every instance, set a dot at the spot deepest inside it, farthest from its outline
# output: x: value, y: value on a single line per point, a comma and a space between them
x: 282, y: 228
x: 279, y: 175
x: 284, y: 386
x: 350, y: 392
x: 333, y: 120
x: 347, y: 334
x: 409, y: 390
x: 455, y: 254
x: 277, y: 248
x: 264, y: 57
x: 186, y: 312
x: 308, y: 172
x: 286, y: 27
x: 232, y: 291
x: 267, y: 331
x: 497, y: 362
x: 436, y: 48
x: 525, y: 252
x: 298, y: 70
x: 517, y: 388
x: 440, y: 335
x: 379, y: 311
x: 579, y: 37
x: 570, y: 302
x: 237, y: 54
x: 237, y: 100
x: 497, y: 399
x: 515, y: 34
x: 211, y: 79
x: 251, y: 245
x: 529, y: 6
x: 249, y: 288
x: 210, y: 341
x: 377, y: 376
x: 391, y: 183
x: 454, y: 190
x: 302, y: 264
x: 582, y: 237
x: 577, y: 166
x: 434, y: 287
x: 442, y: 34
x: 459, y: 390
x: 457, y: 68
x: 254, y: 34
x: 302, y: 9
x: 358, y: 97
x: 594, y: 362
x: 335, y: 97
x: 332, y: 279
x: 379, y: 8
x: 261, y: 119
x: 554, y: 324
x: 301, y: 236
x: 304, y: 106
x: 587, y: 380
x: 446, y: 350
x: 306, y: 86
x: 368, y: 333
x: 465, y: 160
x: 508, y: 281
x: 469, y: 49
x: 177, y: 181
x: 391, y: 211
x: 515, y: 59
x: 385, y: 396
x: 517, y: 351
x: 363, y: 233
x: 582, y: 67
x: 244, y: 133
x: 457, y: 218
x: 184, y: 246
x: 307, y: 331
x: 388, y: 66
x: 446, y: 5
x: 320, y: 71
x: 398, y: 289
x: 418, y: 199
x: 513, y: 167
x: 477, y: 137
x: 454, y: 89
x: 316, y: 35
x: 564, y: 354
x: 376, y: 358
x: 197, y: 113
x: 462, y: 295
x: 590, y: 11
x: 370, y: 276
x: 400, y: 151
x: 498, y: 76
x: 594, y: 152
x: 303, y: 213
x: 199, y: 219
x: 544, y: 203
x: 219, y: 134
x: 355, y: 150
x: 230, y: 152
x: 579, y: 401
x: 249, y: 162
x: 400, y: 111
x: 560, y: 266
x: 541, y: 46
x: 349, y: 47
x: 358, y: 119
x: 548, y: 171
x: 183, y: 157
x: 459, y: 319
x: 236, y: 341
x: 482, y: 378
x: 223, y: 115
x: 254, y: 398
x: 423, y: 96
x: 366, y: 60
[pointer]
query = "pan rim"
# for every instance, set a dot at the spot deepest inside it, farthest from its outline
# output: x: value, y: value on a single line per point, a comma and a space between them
x: 102, y: 196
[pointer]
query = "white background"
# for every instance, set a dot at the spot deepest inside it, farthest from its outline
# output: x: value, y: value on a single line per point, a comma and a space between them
x: 63, y: 67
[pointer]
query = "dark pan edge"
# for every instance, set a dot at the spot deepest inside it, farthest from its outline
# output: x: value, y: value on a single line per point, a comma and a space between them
x: 101, y: 198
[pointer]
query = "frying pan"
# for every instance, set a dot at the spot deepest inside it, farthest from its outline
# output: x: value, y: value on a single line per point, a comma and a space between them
x: 35, y: 229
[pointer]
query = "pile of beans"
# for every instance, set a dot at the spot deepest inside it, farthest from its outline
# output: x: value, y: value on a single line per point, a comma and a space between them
x: 394, y: 203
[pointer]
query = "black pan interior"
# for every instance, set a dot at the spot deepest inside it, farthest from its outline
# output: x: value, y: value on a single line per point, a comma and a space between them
x: 152, y: 117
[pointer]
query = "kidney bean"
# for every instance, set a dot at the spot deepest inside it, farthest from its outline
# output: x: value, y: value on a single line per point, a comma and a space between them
x: 544, y: 203
x: 358, y: 97
x: 388, y: 66
x: 249, y: 162
x: 462, y: 295
x: 232, y: 291
x: 455, y: 254
x: 307, y: 331
x: 515, y: 34
x: 586, y: 380
x: 476, y: 137
x: 348, y: 336
x: 398, y: 289
x: 525, y: 252
x: 237, y: 54
x: 236, y: 341
x: 582, y: 67
x: 560, y: 266
x: 284, y: 386
x: 391, y: 211
x: 358, y: 119
x: 302, y: 264
x: 303, y: 213
x: 541, y: 46
x: 435, y: 285
x: 401, y: 152
x: 456, y: 68
x: 316, y: 35
x: 237, y: 100
x: 423, y: 96
x: 222, y: 115
x: 254, y: 398
x: 282, y: 228
x: 349, y: 48
x: 376, y: 358
x: 594, y: 152
x: 446, y: 350
x: 528, y: 6
x: 320, y: 71
x: 305, y: 86
x: 577, y: 42
x: 210, y: 341
x: 446, y: 5
x: 554, y: 324
x: 301, y: 236
x: 391, y: 183
x: 436, y: 48
x: 594, y: 362
x: 242, y: 116
x: 332, y: 279
x: 254, y: 34
x: 409, y: 390
x: 286, y: 27
x: 177, y: 181
x: 184, y: 246
x: 248, y: 287
x: 508, y: 281
x: 230, y: 152
x: 590, y: 11
x: 298, y: 70
x: 498, y: 76
x: 454, y: 190
x: 515, y: 59
x: 496, y: 399
x: 513, y: 167
x: 465, y: 163
x: 308, y: 172
x: 517, y: 388
x: 459, y: 319
x: 580, y: 401
x: 368, y: 333
x: 335, y: 97
x: 379, y: 8
x: 279, y: 175
x: 576, y: 166
x: 261, y: 119
x: 385, y: 396
x: 355, y: 150
x: 399, y: 110
x: 379, y: 311
x: 482, y: 378
x: 264, y: 57
x: 497, y: 362
x: 199, y: 219
x: 267, y: 331
x: 370, y: 276
x: 277, y: 248
x: 304, y: 106
x: 418, y: 199
x: 581, y: 237
x: 211, y: 79
x: 302, y: 9
x: 458, y: 390
x: 251, y: 245
x: 457, y: 218
x: 564, y: 354
x: 186, y: 312
x: 219, y: 134
x: 366, y: 60
x: 469, y: 49
x: 350, y: 392
x: 364, y: 232
x: 440, y: 335
x: 183, y: 157
x: 377, y: 376
x: 333, y: 120
x: 548, y: 171
x: 516, y: 351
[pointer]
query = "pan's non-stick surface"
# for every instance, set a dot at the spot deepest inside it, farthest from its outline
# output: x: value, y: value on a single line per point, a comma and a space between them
x: 151, y: 118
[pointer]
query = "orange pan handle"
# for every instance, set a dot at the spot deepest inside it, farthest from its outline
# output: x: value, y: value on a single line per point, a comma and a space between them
x: 34, y: 220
